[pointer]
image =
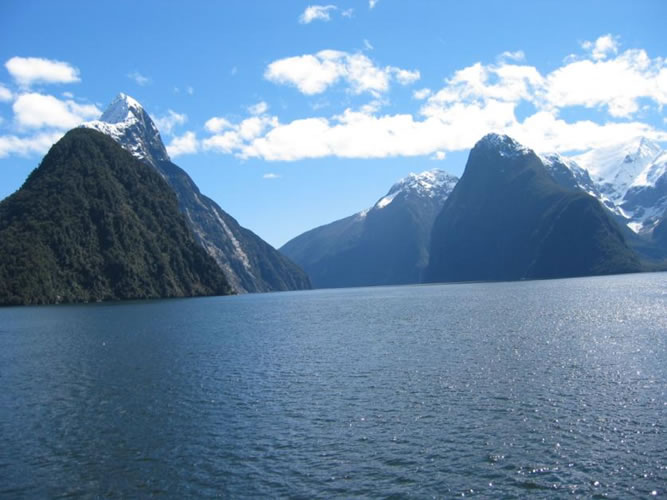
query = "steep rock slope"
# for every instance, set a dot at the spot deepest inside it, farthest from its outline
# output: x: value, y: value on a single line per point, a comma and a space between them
x: 250, y: 264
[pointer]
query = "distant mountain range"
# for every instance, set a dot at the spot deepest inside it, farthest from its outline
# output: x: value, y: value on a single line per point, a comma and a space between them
x: 250, y: 264
x: 513, y: 215
x: 93, y: 223
x: 388, y: 244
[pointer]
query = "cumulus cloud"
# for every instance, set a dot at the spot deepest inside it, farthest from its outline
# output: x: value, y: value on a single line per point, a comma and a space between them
x: 602, y: 47
x: 217, y: 124
x: 473, y: 101
x: 232, y: 137
x: 270, y: 175
x: 5, y: 94
x: 139, y: 79
x: 166, y: 123
x: 182, y: 145
x: 27, y: 71
x: 316, y: 12
x: 422, y: 94
x: 372, y: 3
x: 33, y: 111
x: 613, y: 83
x: 314, y: 73
x: 25, y: 146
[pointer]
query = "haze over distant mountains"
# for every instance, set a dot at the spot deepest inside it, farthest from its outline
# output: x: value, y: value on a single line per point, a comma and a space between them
x: 250, y: 264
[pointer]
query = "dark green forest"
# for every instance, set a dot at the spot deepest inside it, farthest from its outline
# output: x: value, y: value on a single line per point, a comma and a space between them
x: 92, y: 223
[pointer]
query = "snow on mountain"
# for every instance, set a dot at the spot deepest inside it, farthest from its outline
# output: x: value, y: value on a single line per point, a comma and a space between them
x: 429, y: 184
x: 128, y: 124
x: 631, y: 179
x: 617, y: 168
x: 250, y: 264
x: 651, y: 174
x: 504, y: 145
x: 569, y: 174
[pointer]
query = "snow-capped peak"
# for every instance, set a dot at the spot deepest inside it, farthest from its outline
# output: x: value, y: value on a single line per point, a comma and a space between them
x: 503, y: 144
x: 122, y: 108
x: 434, y: 183
x: 129, y: 125
x: 630, y: 179
x: 620, y: 165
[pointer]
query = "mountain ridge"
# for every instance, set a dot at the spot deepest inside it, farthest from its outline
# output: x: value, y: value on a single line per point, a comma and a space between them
x: 507, y: 214
x: 384, y: 244
x: 251, y: 264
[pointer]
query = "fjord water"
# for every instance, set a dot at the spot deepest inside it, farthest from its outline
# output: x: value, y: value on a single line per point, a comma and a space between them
x: 503, y: 389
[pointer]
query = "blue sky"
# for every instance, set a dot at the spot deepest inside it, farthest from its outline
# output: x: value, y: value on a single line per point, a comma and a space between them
x: 293, y: 114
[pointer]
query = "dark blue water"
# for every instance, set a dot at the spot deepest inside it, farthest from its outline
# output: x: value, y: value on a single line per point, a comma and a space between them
x: 505, y: 390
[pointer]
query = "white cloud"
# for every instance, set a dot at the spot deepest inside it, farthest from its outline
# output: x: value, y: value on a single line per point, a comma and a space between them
x: 473, y: 101
x: 404, y: 76
x: 166, y: 123
x: 316, y: 12
x: 517, y: 56
x: 615, y: 83
x: 183, y: 145
x: 139, y: 79
x: 29, y: 70
x: 231, y: 137
x: 602, y: 47
x: 33, y: 111
x: 347, y: 13
x: 190, y: 90
x: 25, y: 146
x: 216, y: 125
x: 421, y: 94
x: 258, y: 109
x: 5, y: 94
x: 543, y: 131
x: 270, y: 175
x: 314, y: 73
x: 372, y: 3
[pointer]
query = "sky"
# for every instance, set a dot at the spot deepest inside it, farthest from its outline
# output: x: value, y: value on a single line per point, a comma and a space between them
x: 293, y: 114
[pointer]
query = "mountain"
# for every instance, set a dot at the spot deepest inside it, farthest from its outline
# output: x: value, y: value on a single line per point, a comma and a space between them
x: 93, y: 223
x: 632, y: 177
x: 250, y: 264
x: 508, y: 219
x: 386, y: 244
